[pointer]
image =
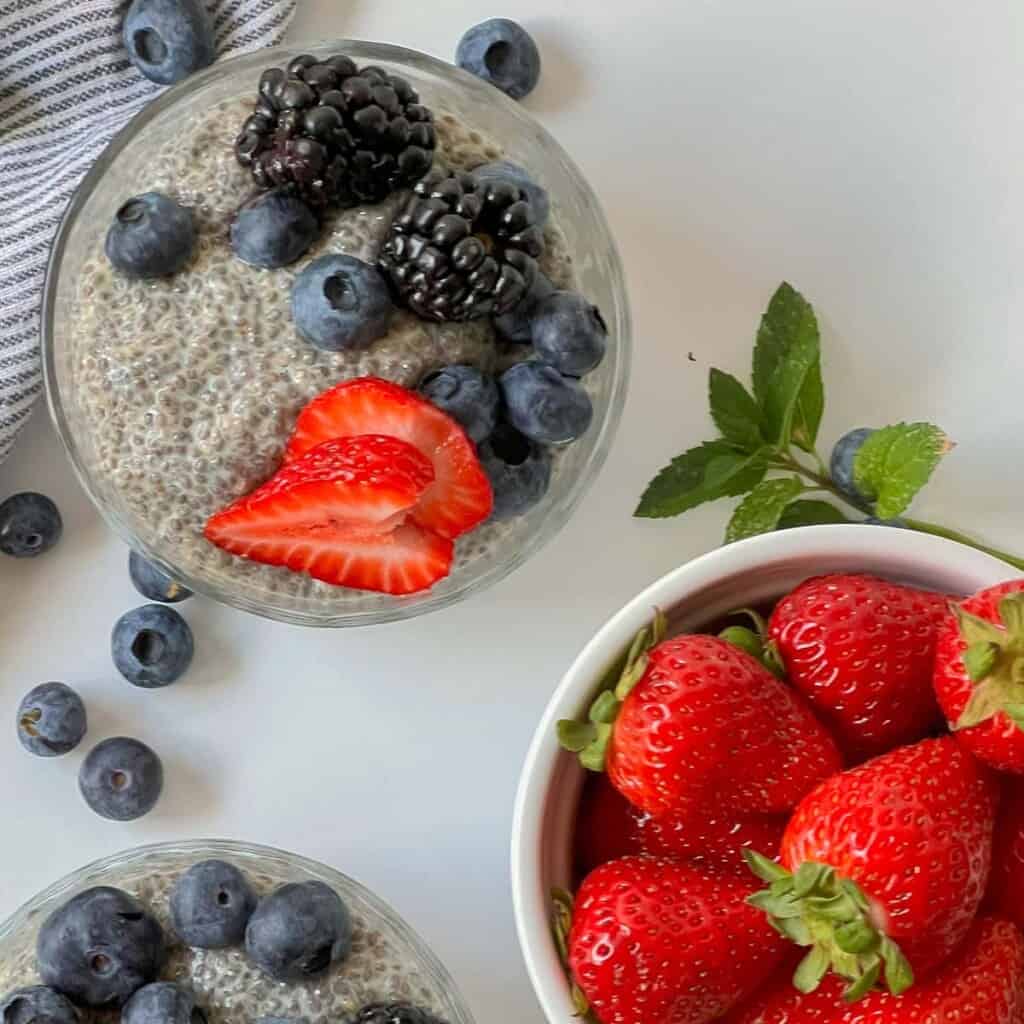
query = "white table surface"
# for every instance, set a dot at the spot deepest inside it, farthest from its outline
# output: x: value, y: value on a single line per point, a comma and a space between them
x: 868, y: 152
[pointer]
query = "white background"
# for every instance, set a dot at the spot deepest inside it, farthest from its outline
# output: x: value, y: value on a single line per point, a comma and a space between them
x: 868, y: 152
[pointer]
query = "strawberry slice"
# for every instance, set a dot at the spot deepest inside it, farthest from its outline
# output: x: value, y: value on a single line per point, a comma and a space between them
x: 338, y: 513
x: 460, y: 496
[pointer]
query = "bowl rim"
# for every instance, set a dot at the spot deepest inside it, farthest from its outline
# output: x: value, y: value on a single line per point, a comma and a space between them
x: 207, y: 848
x: 399, y: 608
x: 905, y: 549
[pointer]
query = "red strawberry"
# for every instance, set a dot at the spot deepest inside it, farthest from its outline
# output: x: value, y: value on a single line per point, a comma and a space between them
x: 889, y: 863
x: 659, y: 942
x: 460, y: 496
x: 862, y: 651
x: 609, y: 827
x: 979, y: 674
x: 1005, y: 895
x: 984, y: 984
x: 701, y: 721
x: 338, y: 513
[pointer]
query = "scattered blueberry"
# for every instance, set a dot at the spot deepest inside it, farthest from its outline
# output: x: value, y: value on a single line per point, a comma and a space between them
x: 506, y: 171
x: 517, y: 323
x: 51, y: 720
x: 298, y: 931
x: 152, y: 236
x: 272, y: 230
x: 340, y: 302
x: 121, y: 779
x: 211, y: 904
x: 162, y: 1002
x: 467, y: 395
x: 841, y: 463
x: 545, y: 406
x: 151, y: 646
x: 152, y: 582
x: 503, y: 53
x: 519, y: 471
x: 30, y: 524
x: 37, y: 1004
x: 569, y: 333
x: 393, y: 1013
x: 168, y: 39
x: 100, y: 947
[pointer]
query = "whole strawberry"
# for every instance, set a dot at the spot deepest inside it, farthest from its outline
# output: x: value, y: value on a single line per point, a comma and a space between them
x: 694, y: 720
x: 656, y: 941
x: 608, y: 826
x: 979, y: 674
x: 1005, y: 896
x: 884, y: 867
x: 983, y: 984
x: 862, y: 651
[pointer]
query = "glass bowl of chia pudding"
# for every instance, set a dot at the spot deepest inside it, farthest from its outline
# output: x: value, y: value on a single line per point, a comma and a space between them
x: 176, y: 396
x: 388, y: 962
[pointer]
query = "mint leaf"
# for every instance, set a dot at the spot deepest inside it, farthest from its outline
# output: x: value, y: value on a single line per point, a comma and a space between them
x: 734, y: 411
x: 760, y: 510
x: 894, y: 463
x: 787, y: 370
x: 809, y: 512
x: 713, y: 470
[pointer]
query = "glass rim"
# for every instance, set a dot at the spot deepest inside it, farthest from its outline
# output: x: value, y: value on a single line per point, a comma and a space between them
x: 400, y: 608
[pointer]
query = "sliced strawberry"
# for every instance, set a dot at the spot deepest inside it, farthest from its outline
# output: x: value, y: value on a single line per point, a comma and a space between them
x: 337, y: 513
x: 460, y: 496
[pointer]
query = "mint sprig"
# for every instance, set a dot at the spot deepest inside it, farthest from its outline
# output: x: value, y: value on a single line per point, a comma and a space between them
x: 766, y: 452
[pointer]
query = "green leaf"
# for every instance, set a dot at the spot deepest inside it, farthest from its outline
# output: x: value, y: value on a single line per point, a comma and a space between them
x: 605, y: 708
x: 810, y: 512
x: 761, y: 509
x: 574, y: 736
x: 866, y: 982
x: 811, y: 970
x: 787, y: 370
x: 712, y: 470
x: 765, y: 868
x: 734, y: 411
x: 979, y: 659
x: 894, y: 463
x: 899, y: 975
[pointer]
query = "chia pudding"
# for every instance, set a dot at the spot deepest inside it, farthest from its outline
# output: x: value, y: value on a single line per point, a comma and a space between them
x: 190, y: 385
x: 384, y: 964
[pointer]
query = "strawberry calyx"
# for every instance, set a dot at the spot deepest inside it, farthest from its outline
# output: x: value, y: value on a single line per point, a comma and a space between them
x: 590, y: 739
x: 755, y: 642
x: 561, y: 924
x: 994, y: 661
x: 817, y: 908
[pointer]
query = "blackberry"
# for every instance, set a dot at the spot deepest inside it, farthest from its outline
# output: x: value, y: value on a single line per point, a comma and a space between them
x: 336, y: 134
x: 462, y: 247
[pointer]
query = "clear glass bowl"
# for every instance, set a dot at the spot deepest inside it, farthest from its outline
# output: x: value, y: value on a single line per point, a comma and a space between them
x: 578, y: 213
x: 230, y: 988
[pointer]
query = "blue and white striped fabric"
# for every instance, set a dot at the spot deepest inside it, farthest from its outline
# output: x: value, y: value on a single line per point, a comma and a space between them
x: 66, y: 88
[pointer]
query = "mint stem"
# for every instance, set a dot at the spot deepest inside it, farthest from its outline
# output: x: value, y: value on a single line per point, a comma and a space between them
x: 823, y: 482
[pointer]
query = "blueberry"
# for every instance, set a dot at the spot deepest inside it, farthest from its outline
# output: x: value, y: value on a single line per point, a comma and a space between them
x: 37, y: 1004
x: 569, y: 333
x: 100, y: 947
x: 151, y: 646
x: 517, y: 323
x: 298, y: 931
x: 121, y: 779
x: 467, y: 395
x: 168, y: 39
x: 519, y: 471
x: 503, y: 53
x: 510, y: 173
x: 152, y: 236
x: 152, y: 582
x: 545, y: 406
x: 51, y: 720
x: 272, y: 230
x: 339, y: 303
x: 841, y: 463
x: 211, y: 904
x: 30, y: 524
x: 163, y: 1002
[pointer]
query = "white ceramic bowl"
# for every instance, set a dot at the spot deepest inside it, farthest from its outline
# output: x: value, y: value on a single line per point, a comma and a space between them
x: 742, y: 574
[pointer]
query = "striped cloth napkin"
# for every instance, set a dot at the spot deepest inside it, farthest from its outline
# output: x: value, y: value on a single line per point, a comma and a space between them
x: 66, y: 88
